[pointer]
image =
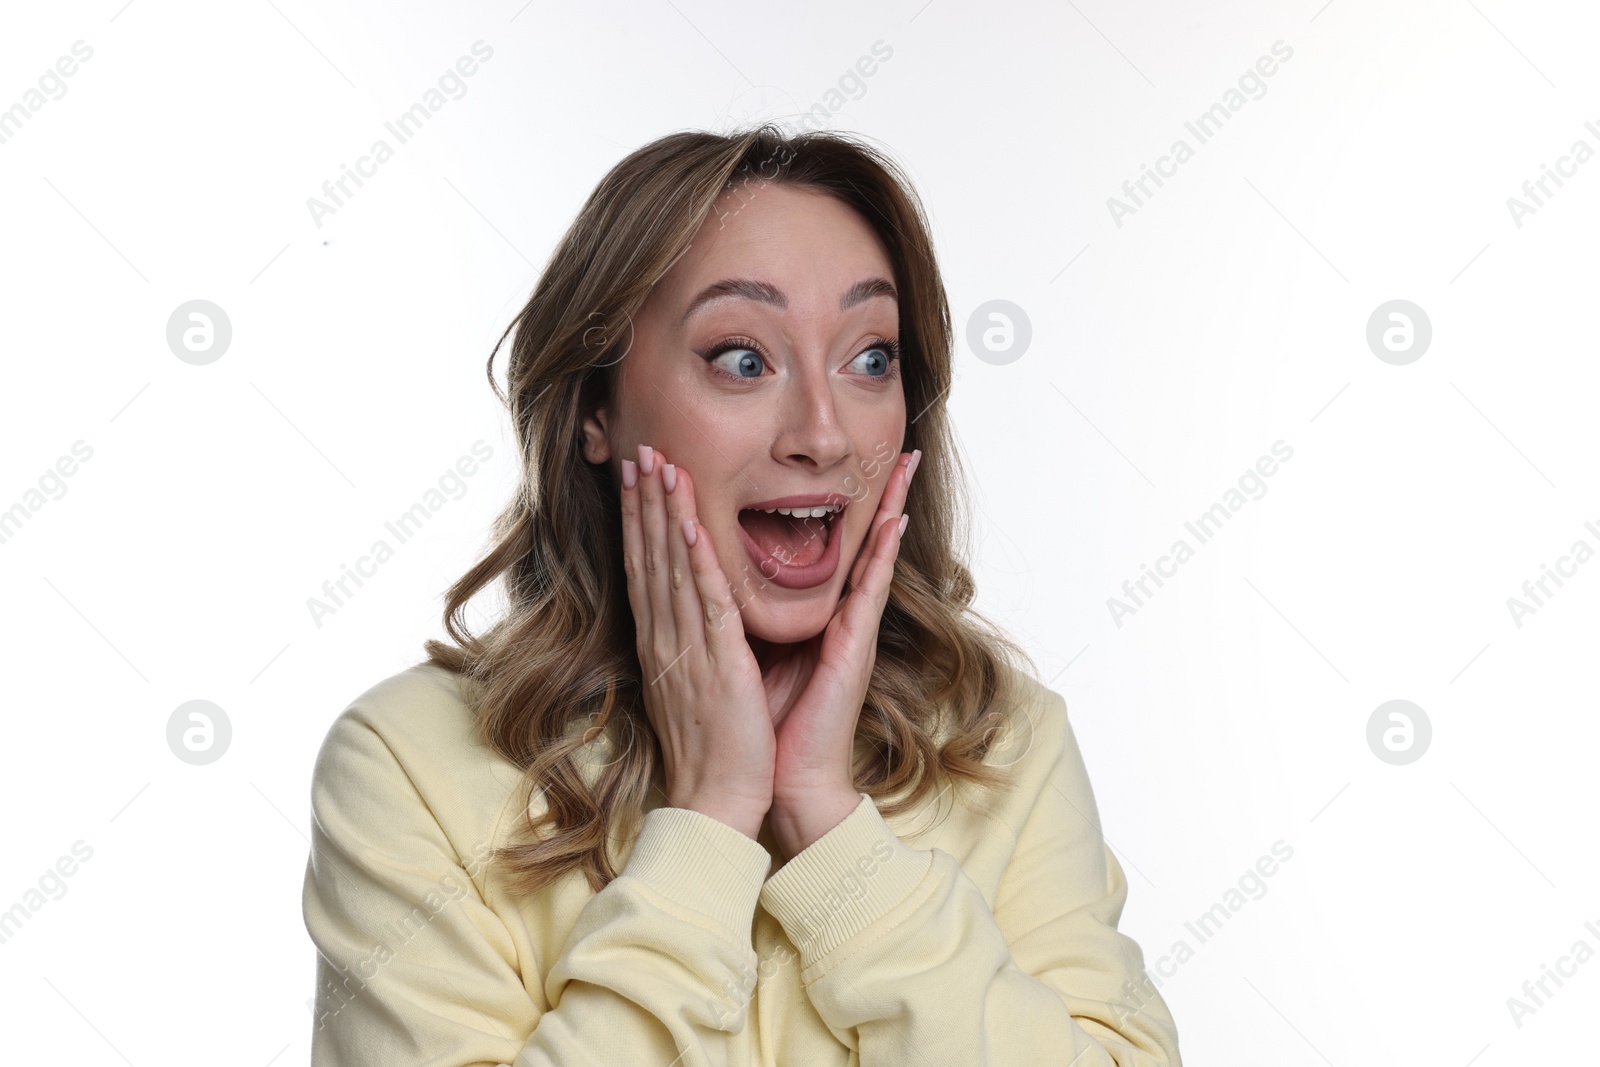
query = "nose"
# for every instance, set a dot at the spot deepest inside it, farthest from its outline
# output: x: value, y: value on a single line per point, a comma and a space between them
x: 810, y: 429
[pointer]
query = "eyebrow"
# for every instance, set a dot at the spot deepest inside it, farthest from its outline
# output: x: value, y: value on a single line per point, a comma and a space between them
x: 860, y: 292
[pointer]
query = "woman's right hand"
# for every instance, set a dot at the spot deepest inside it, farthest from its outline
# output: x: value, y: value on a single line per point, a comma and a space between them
x: 703, y: 691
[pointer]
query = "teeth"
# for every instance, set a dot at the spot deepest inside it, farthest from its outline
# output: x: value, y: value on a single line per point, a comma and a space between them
x: 802, y: 513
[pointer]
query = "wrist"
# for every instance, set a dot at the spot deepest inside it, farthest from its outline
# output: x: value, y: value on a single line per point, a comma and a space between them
x: 799, y: 820
x: 794, y: 792
x: 743, y: 818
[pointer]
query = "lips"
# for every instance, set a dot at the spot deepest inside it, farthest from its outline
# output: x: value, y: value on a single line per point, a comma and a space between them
x: 800, y: 500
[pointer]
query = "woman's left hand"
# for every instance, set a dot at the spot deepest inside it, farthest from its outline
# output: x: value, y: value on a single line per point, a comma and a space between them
x: 813, y: 787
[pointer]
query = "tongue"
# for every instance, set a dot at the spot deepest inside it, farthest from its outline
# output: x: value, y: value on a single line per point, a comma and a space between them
x: 790, y: 541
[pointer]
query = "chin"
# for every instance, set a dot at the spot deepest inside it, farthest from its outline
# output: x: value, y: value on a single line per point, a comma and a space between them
x: 788, y: 624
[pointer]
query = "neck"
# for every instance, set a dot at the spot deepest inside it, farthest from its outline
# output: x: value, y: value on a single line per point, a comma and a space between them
x: 763, y: 650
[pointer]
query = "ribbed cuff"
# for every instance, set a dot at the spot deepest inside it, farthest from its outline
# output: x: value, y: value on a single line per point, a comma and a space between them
x: 843, y: 882
x: 701, y: 863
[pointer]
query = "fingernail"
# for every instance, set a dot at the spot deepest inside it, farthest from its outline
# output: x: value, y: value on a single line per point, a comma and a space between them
x: 904, y: 521
x: 669, y: 475
x: 630, y: 474
x: 688, y: 532
x: 916, y: 458
x: 646, y: 459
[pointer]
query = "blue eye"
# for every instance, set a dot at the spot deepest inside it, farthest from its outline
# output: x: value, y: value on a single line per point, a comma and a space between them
x: 890, y: 355
x: 753, y: 357
x: 751, y: 354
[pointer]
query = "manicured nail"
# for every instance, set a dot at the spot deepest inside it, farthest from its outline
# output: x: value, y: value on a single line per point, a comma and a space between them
x: 688, y: 532
x: 669, y: 475
x: 646, y: 459
x: 630, y: 474
x: 916, y: 458
x: 904, y: 520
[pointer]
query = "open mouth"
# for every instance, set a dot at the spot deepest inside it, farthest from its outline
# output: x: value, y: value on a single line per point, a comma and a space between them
x: 787, y: 539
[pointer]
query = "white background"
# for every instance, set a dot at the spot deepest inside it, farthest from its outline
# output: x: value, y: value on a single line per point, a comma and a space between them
x: 1168, y: 354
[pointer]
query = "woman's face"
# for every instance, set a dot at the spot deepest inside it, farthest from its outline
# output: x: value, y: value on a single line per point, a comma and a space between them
x: 802, y: 400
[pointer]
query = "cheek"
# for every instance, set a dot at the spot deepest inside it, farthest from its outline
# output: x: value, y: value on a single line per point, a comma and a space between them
x: 741, y: 575
x: 875, y: 480
x: 871, y: 495
x: 864, y: 488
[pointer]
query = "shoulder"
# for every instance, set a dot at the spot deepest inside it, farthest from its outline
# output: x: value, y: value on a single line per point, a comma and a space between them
x: 1031, y: 741
x: 1036, y: 731
x: 422, y: 715
x: 407, y: 748
x: 1027, y: 731
x: 421, y: 701
x: 1053, y: 797
x: 1034, y: 742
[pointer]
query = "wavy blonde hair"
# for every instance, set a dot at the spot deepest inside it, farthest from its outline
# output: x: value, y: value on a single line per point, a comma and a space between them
x: 559, y: 667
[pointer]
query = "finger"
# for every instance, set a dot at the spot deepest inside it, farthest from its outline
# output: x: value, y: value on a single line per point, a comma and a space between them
x: 687, y: 609
x: 900, y: 487
x: 863, y: 608
x: 662, y: 627
x: 892, y: 504
x: 874, y: 541
x: 633, y: 549
x: 721, y: 627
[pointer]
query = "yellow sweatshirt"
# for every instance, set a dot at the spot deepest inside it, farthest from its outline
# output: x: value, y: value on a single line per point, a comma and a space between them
x: 948, y: 935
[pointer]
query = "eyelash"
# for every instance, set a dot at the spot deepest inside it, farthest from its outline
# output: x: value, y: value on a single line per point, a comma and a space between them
x: 892, y: 347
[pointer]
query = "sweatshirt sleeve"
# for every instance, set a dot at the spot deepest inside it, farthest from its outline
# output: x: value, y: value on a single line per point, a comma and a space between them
x: 414, y: 966
x: 905, y: 961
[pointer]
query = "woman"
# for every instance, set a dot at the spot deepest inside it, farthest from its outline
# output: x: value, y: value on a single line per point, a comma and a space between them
x: 725, y: 784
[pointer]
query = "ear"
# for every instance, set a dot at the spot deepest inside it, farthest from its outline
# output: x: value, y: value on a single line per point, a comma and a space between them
x: 596, y: 445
